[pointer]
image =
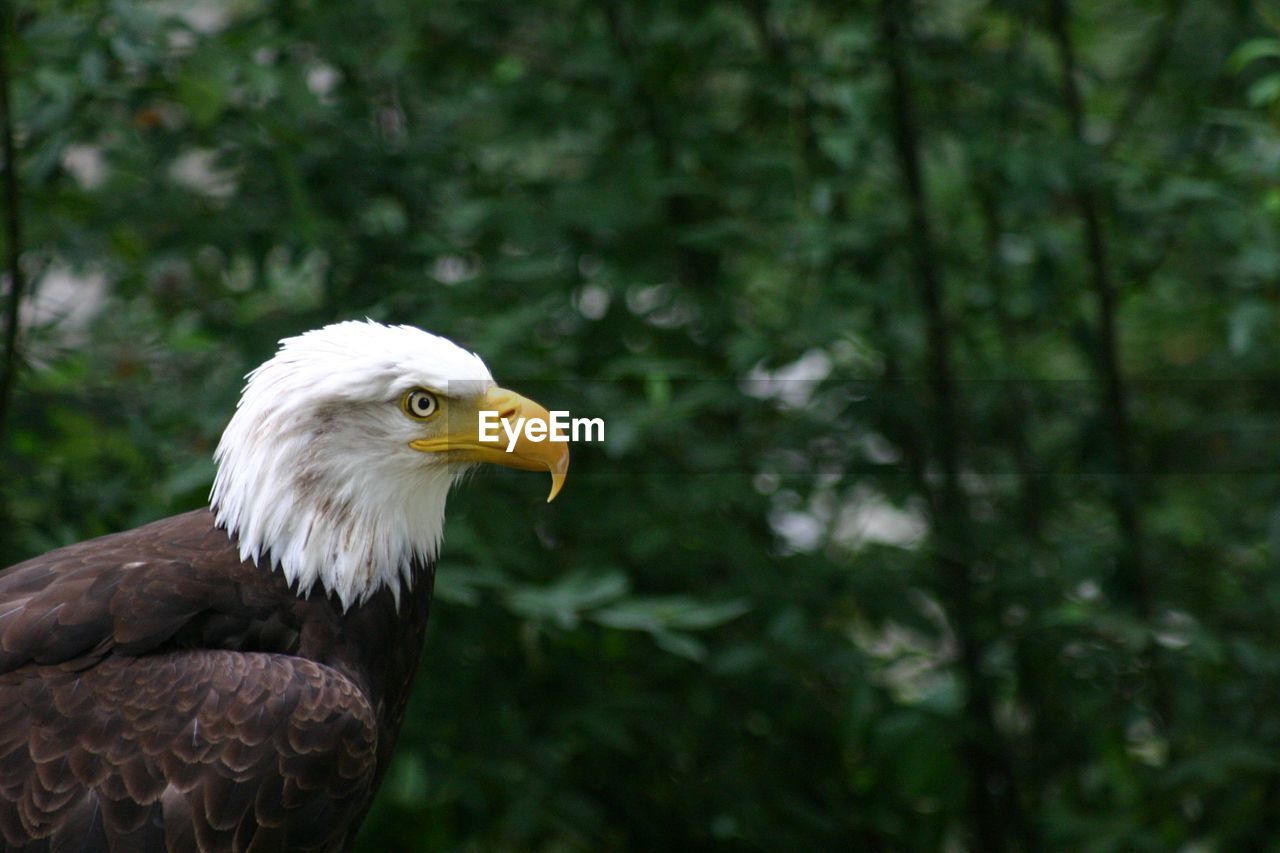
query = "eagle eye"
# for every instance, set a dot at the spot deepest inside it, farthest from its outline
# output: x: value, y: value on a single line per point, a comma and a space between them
x: 419, y: 403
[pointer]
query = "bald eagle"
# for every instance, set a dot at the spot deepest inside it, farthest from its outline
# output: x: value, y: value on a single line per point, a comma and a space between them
x: 234, y: 678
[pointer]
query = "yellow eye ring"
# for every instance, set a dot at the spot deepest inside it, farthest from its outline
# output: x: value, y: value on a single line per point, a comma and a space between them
x: 419, y: 404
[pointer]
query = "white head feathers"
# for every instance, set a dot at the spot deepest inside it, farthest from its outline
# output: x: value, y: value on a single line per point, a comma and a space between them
x: 315, y: 469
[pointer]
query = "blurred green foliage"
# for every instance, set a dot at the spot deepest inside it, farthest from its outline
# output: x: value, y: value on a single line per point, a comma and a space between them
x: 848, y: 572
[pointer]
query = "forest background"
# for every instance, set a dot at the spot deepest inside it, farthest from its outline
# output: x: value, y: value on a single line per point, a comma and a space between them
x: 936, y: 341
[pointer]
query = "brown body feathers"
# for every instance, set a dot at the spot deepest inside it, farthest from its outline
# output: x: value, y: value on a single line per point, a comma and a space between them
x: 157, y: 693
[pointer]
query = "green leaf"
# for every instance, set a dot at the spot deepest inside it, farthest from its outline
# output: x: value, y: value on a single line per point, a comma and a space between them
x: 1265, y: 91
x: 1253, y: 50
x: 673, y: 613
x: 681, y: 645
x: 564, y: 602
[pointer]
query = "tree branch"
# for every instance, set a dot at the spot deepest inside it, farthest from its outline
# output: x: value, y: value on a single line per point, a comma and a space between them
x: 12, y: 224
x: 1134, y: 584
x: 1145, y: 80
x: 995, y: 812
x: 1107, y: 356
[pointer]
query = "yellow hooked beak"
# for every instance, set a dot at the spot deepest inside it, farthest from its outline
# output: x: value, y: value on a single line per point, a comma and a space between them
x: 516, y: 433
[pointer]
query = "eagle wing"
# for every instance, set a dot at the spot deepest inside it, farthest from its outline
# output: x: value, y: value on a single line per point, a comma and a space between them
x: 148, y: 700
x: 207, y: 750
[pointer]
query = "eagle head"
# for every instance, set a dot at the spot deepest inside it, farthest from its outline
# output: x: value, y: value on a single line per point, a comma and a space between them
x: 343, y: 447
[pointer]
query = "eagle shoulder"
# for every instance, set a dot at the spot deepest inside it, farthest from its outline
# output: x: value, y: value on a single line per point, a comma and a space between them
x: 177, y: 581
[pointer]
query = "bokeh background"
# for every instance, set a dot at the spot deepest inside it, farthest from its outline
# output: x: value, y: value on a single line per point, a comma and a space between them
x: 937, y: 344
